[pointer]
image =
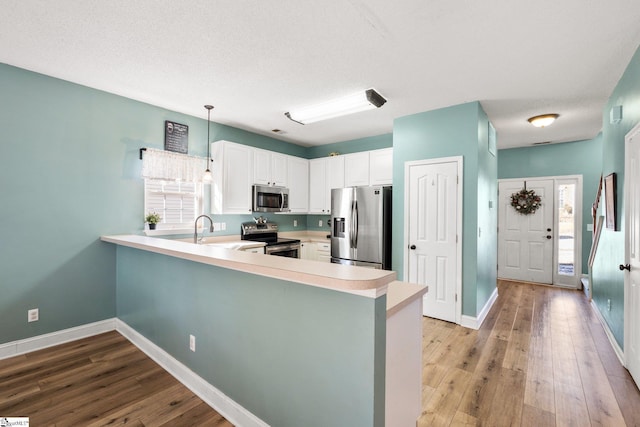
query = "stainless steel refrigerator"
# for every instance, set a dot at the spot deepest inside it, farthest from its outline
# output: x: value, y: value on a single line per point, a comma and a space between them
x: 361, y: 226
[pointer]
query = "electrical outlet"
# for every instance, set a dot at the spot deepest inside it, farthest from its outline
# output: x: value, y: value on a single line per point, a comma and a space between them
x: 33, y: 315
x: 608, y: 305
x: 295, y: 222
x: 223, y: 226
x: 319, y: 223
x: 192, y: 343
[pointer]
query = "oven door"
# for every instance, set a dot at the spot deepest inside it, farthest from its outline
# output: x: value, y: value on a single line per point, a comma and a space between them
x: 289, y: 250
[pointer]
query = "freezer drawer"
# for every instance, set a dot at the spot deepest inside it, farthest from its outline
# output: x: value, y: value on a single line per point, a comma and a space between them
x: 375, y: 265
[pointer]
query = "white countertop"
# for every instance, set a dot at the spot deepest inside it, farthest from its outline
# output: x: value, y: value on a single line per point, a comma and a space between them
x: 355, y: 280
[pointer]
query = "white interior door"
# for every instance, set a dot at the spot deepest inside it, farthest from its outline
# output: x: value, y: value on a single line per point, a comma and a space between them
x: 632, y: 254
x: 431, y: 199
x: 525, y: 242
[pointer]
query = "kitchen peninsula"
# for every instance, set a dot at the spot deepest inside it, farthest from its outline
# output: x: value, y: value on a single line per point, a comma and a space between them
x: 282, y: 341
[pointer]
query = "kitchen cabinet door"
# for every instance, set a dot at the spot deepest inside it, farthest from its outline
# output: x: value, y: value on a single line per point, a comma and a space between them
x: 279, y: 170
x: 317, y: 186
x: 323, y: 252
x: 308, y: 251
x: 356, y: 169
x: 381, y: 167
x: 325, y: 173
x: 334, y: 178
x: 269, y: 168
x: 232, y: 178
x: 298, y: 171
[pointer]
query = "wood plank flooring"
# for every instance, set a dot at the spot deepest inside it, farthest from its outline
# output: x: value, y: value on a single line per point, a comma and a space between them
x: 540, y: 359
x: 98, y: 381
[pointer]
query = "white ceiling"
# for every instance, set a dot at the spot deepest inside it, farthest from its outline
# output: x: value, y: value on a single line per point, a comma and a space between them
x: 256, y: 59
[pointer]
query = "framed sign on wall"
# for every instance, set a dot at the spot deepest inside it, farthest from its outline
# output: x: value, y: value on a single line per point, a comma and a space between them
x: 176, y: 137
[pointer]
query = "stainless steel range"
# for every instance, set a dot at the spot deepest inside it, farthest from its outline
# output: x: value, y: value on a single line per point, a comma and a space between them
x: 265, y: 231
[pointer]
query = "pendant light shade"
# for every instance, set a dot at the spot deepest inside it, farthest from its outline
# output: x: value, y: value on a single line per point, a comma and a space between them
x: 208, y: 177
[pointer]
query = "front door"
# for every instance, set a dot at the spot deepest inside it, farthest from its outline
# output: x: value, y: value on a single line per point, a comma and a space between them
x: 525, y: 242
x: 632, y: 256
x: 432, y: 252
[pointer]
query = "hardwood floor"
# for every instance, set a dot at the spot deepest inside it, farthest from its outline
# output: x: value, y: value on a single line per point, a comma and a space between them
x: 540, y: 359
x: 97, y: 381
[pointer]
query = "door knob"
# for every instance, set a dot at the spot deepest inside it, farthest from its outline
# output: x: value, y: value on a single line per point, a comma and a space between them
x: 625, y: 267
x: 412, y: 247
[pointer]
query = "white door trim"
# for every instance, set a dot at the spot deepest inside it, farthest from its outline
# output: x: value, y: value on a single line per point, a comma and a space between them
x: 578, y: 224
x: 407, y: 166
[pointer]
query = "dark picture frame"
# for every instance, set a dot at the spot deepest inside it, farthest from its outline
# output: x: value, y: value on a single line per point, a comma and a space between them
x: 610, y: 201
x: 176, y: 137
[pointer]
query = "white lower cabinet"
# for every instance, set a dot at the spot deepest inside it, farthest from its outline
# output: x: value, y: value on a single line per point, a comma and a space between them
x: 316, y: 251
x: 308, y: 251
x: 323, y: 251
x: 259, y: 250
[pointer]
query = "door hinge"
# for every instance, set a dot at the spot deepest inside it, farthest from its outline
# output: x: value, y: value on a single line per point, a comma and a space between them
x: 456, y: 297
x: 427, y: 289
x: 457, y: 179
x: 456, y: 238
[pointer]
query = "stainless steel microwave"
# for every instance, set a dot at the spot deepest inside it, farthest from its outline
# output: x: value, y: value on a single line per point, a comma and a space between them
x: 270, y: 199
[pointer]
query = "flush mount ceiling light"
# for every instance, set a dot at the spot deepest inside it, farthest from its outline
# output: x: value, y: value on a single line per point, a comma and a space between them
x: 207, y: 177
x: 366, y: 100
x: 543, y: 120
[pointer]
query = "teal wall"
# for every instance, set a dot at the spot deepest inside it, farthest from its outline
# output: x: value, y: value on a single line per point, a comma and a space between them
x: 71, y: 173
x: 291, y: 354
x: 352, y: 146
x: 570, y: 158
x: 487, y: 236
x: 608, y: 281
x: 454, y: 131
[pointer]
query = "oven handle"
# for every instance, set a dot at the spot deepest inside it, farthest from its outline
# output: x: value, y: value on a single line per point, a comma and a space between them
x: 281, y: 200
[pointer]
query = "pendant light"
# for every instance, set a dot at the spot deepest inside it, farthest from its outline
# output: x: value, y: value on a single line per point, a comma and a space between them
x: 208, y: 177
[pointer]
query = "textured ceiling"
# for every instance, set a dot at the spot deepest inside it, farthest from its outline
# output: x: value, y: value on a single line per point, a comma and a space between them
x: 255, y: 60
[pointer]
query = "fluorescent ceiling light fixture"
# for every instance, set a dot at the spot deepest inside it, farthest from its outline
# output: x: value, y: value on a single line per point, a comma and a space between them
x: 366, y: 100
x: 543, y: 120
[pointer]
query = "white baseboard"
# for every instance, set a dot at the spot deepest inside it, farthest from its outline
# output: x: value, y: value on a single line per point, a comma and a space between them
x: 39, y: 342
x: 612, y: 339
x: 227, y: 407
x: 476, y: 322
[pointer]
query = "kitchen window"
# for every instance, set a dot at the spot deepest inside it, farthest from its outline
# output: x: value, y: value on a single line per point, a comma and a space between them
x: 178, y: 203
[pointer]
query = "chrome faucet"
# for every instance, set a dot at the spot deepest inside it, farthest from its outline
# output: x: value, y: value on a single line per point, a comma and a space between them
x: 195, y: 232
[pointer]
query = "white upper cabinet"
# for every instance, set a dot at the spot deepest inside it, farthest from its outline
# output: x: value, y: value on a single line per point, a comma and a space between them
x: 269, y: 168
x: 232, y: 178
x: 298, y: 170
x: 381, y: 167
x: 356, y: 169
x: 325, y: 174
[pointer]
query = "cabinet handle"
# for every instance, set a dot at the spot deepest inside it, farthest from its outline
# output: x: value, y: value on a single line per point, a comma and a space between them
x: 625, y: 267
x: 412, y: 247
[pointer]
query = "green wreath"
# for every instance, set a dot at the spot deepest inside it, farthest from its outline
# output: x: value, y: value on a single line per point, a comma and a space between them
x: 525, y: 201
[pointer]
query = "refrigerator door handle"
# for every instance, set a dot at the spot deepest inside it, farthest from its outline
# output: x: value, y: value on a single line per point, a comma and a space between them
x: 351, y: 228
x: 356, y: 225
